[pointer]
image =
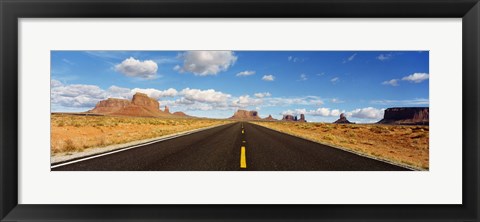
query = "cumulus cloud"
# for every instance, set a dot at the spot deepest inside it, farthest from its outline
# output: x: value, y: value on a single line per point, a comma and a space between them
x: 246, y: 100
x: 366, y: 113
x: 416, y: 77
x: 334, y: 80
x: 204, y: 63
x: 209, y: 95
x: 392, y: 82
x: 87, y: 96
x: 261, y: 95
x: 268, y: 78
x: 157, y: 94
x: 55, y: 83
x: 246, y: 73
x: 282, y: 101
x: 384, y: 57
x: 119, y: 92
x: 325, y: 112
x: 132, y: 67
x: 363, y: 113
x: 294, y: 112
x: 76, y: 95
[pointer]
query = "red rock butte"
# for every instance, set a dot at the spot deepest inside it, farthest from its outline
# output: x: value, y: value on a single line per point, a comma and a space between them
x: 245, y: 115
x: 141, y: 105
x: 406, y: 116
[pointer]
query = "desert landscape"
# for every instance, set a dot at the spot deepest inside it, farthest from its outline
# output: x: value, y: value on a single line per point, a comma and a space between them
x: 235, y: 120
x: 401, y: 137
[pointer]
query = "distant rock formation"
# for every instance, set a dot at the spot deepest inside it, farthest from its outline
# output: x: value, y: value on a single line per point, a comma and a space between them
x: 288, y: 118
x: 343, y: 120
x: 181, y: 114
x: 294, y: 118
x: 406, y: 116
x: 166, y: 110
x: 140, y: 105
x: 302, y: 118
x: 270, y: 118
x: 245, y: 115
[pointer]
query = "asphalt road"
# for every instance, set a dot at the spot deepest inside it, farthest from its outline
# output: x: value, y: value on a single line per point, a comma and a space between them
x: 220, y: 149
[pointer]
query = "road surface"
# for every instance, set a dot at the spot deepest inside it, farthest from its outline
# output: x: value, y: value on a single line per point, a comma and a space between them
x: 231, y: 147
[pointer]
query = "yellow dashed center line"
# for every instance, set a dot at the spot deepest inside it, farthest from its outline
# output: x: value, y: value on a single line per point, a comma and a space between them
x: 243, y: 131
x: 243, y: 158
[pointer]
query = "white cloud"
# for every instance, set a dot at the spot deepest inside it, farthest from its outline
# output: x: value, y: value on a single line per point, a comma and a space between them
x: 335, y: 112
x: 208, y: 96
x: 351, y: 58
x: 320, y: 112
x: 384, y: 57
x: 268, y: 78
x: 55, y: 83
x: 366, y: 113
x: 263, y: 94
x: 335, y: 100
x: 295, y: 59
x: 294, y: 112
x: 416, y: 77
x: 68, y: 61
x: 246, y: 73
x: 417, y: 101
x: 325, y: 112
x: 204, y: 63
x: 392, y: 82
x: 76, y: 95
x: 135, y: 68
x: 335, y: 80
x: 281, y: 101
x: 157, y: 94
x: 244, y: 101
x: 317, y: 102
x: 303, y: 77
x: 119, y: 92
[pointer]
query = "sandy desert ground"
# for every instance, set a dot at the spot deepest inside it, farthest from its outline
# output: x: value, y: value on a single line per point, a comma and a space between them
x: 75, y: 133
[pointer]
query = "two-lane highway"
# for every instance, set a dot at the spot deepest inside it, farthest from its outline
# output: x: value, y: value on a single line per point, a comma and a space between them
x: 235, y: 146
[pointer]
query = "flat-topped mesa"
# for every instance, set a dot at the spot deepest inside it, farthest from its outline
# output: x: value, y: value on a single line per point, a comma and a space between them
x: 406, y: 116
x: 110, y: 105
x: 140, y: 105
x: 245, y: 115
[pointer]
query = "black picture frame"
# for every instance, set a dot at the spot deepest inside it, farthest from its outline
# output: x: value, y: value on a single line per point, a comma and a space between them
x: 11, y: 11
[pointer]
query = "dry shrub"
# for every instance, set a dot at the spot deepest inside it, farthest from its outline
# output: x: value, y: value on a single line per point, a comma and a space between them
x: 69, y: 146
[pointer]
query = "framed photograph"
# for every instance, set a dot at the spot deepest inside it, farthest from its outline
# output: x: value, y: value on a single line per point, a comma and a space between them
x: 225, y: 110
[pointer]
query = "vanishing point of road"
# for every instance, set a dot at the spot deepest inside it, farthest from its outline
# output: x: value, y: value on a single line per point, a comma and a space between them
x: 231, y: 147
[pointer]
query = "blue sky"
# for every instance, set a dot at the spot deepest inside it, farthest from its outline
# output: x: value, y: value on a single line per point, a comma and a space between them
x: 319, y: 84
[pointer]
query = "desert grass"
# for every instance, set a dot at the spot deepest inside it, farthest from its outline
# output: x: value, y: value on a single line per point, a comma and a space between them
x: 404, y: 145
x: 75, y: 133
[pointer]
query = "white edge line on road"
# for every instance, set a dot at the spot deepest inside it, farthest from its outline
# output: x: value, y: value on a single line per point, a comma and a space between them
x: 133, y: 147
